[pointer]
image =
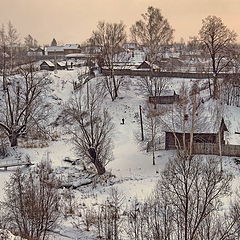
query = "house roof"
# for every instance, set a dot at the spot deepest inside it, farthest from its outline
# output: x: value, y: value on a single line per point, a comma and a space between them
x: 49, y: 63
x: 207, y: 119
x: 61, y: 64
x: 147, y: 63
x: 55, y: 49
x: 168, y: 92
x: 38, y: 49
x: 71, y: 46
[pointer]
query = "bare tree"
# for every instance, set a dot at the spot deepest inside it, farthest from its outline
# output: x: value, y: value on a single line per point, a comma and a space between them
x: 30, y: 41
x: 31, y: 205
x: 109, y: 219
x: 110, y: 36
x: 3, y: 51
x: 151, y: 129
x: 22, y: 103
x: 194, y: 188
x: 230, y: 91
x: 153, y: 32
x: 154, y: 86
x: 218, y: 41
x: 92, y: 129
x: 12, y: 38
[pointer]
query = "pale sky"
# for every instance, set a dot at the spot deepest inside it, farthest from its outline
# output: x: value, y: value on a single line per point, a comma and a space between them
x: 72, y: 21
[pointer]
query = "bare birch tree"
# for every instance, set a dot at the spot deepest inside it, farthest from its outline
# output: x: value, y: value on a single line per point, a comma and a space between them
x: 153, y: 32
x: 151, y: 129
x: 194, y: 187
x: 12, y: 38
x: 110, y: 36
x: 218, y: 41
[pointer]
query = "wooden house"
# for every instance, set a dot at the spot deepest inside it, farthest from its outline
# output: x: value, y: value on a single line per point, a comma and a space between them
x: 50, y: 66
x: 71, y: 49
x: 166, y: 97
x: 35, y: 52
x: 47, y: 65
x: 54, y: 51
x: 61, y: 65
x: 175, y: 139
x: 145, y: 65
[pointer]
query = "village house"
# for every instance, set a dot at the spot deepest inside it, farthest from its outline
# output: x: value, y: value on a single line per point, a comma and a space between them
x: 205, y: 142
x: 175, y: 139
x: 62, y: 50
x: 166, y: 97
x: 47, y: 65
x: 71, y: 49
x: 145, y: 65
x: 35, y: 52
x: 54, y: 51
x: 50, y: 66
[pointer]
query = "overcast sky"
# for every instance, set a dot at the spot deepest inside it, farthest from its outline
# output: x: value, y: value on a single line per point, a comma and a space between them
x: 72, y: 21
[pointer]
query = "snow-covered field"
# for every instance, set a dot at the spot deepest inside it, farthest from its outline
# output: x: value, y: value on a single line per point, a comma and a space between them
x: 135, y: 176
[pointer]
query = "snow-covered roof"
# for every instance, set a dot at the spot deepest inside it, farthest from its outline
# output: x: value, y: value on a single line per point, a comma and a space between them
x: 49, y: 63
x: 38, y: 49
x: 54, y: 49
x: 61, y: 64
x: 71, y: 46
x: 78, y: 55
x: 168, y: 92
x: 148, y: 63
x: 207, y: 119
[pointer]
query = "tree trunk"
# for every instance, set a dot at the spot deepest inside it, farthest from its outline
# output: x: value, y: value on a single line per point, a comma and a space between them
x: 115, y: 87
x: 99, y: 166
x: 13, y: 138
x: 216, y: 89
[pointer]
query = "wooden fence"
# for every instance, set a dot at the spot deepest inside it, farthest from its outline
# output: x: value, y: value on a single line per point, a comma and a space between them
x: 213, y: 149
x: 142, y: 73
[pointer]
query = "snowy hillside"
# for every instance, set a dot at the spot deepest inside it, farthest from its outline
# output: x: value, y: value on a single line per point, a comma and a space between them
x: 132, y: 169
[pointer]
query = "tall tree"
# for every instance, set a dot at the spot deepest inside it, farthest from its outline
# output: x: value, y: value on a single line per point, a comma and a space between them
x: 12, y: 37
x: 110, y: 36
x: 3, y: 42
x: 153, y: 32
x: 218, y: 41
x: 22, y: 105
x: 30, y: 41
x: 193, y: 187
x: 92, y: 128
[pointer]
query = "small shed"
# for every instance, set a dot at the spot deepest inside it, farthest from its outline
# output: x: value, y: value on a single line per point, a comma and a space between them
x: 47, y: 65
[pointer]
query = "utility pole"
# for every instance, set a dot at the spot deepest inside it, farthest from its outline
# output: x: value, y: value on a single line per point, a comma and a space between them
x: 141, y: 121
x: 55, y: 61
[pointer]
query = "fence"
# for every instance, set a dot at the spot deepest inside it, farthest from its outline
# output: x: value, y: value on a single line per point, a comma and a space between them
x: 213, y: 149
x: 142, y: 73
